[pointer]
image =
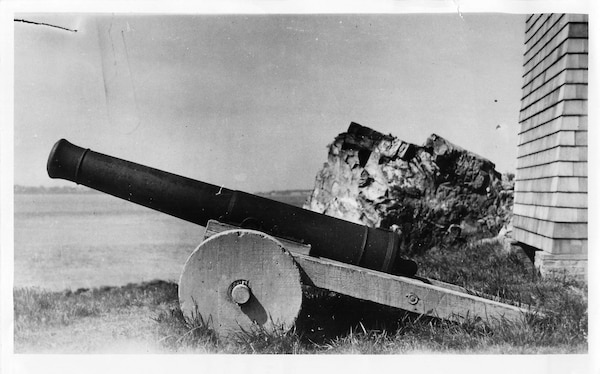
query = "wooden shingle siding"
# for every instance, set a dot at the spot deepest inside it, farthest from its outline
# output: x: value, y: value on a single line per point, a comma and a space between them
x: 550, y: 200
x: 532, y: 25
x: 562, y: 93
x: 549, y: 229
x: 554, y: 214
x: 552, y: 245
x: 555, y: 199
x: 564, y: 138
x: 559, y: 153
x: 554, y: 30
x: 547, y: 63
x: 553, y: 169
x: 564, y: 123
x: 532, y: 92
x: 539, y: 24
x: 553, y: 53
x: 553, y: 184
x: 538, y: 35
x: 562, y: 108
x: 567, y: 93
x: 581, y: 138
x: 573, y: 61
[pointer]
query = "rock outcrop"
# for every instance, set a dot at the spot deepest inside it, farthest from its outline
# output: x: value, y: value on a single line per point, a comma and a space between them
x: 432, y: 193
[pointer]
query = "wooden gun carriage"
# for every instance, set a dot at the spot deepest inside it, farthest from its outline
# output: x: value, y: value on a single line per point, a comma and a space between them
x: 257, y: 253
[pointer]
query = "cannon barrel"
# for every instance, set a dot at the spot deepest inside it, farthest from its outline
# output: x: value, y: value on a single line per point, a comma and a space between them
x: 198, y: 202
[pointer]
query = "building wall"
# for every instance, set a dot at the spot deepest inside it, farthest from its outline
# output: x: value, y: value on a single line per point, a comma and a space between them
x: 550, y: 210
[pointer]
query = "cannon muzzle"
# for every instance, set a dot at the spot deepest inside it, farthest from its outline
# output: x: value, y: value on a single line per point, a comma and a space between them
x: 64, y: 160
x: 198, y: 202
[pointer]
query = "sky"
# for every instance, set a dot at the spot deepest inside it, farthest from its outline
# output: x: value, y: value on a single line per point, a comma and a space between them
x: 251, y: 102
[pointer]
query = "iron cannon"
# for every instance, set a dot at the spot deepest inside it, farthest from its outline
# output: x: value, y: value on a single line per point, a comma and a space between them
x: 257, y: 253
x: 199, y: 202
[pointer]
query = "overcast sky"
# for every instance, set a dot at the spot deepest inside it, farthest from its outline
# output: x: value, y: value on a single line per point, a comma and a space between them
x: 251, y: 102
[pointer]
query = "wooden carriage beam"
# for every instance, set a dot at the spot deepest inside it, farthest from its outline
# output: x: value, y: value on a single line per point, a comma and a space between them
x: 421, y: 296
x: 418, y: 295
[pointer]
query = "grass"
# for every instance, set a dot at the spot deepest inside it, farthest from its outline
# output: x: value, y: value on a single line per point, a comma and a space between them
x: 36, y: 307
x: 146, y: 317
x: 106, y: 319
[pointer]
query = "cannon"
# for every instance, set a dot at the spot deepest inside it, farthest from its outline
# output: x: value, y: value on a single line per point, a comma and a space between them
x: 257, y: 253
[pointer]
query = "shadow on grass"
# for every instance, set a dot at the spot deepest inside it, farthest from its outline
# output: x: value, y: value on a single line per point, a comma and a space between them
x: 328, y: 315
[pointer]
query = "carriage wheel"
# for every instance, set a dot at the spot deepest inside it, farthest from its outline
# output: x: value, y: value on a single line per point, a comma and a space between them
x: 239, y: 279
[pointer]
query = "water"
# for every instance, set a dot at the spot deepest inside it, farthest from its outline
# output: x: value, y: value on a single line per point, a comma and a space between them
x: 69, y: 241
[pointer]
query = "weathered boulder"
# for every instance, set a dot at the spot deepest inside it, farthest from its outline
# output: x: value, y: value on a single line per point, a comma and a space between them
x: 432, y: 193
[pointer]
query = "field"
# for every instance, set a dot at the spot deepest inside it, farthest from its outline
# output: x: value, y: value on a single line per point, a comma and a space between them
x: 85, y: 270
x: 90, y: 240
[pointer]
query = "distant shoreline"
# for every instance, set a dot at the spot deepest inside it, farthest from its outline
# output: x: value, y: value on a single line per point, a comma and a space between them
x: 30, y: 190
